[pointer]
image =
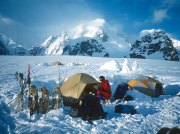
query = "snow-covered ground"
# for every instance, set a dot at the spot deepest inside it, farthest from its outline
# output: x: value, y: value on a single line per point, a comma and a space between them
x: 153, y: 113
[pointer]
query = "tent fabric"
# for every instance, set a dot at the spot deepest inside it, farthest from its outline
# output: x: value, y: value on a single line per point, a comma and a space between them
x: 147, y: 85
x: 75, y: 85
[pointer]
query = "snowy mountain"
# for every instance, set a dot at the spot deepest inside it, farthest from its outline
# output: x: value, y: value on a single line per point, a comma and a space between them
x: 9, y: 47
x: 154, y: 44
x: 54, y: 44
x: 95, y: 38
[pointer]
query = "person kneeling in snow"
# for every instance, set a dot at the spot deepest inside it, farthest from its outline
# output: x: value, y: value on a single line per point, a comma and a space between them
x: 104, y: 90
x: 121, y: 91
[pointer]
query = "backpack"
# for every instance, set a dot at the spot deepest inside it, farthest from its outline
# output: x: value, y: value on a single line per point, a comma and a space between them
x: 90, y: 109
x: 127, y: 109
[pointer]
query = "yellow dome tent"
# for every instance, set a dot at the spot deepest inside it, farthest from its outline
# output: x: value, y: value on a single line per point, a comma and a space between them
x: 147, y: 85
x: 76, y: 86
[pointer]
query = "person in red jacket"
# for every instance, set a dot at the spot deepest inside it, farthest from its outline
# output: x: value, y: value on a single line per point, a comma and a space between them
x: 104, y: 91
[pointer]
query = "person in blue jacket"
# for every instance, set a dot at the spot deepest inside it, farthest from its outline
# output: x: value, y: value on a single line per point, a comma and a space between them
x: 121, y: 90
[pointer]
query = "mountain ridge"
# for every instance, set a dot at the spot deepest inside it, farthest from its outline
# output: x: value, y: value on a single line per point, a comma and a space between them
x: 99, y: 39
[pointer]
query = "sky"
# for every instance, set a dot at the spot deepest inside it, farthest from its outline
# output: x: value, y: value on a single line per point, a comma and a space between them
x: 31, y: 22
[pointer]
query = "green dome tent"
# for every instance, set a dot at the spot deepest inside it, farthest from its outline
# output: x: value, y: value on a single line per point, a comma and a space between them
x: 76, y: 86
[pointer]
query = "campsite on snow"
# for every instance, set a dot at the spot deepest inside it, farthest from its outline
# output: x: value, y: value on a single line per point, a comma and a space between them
x: 91, y: 80
x: 89, y: 67
x: 57, y: 87
x: 152, y: 113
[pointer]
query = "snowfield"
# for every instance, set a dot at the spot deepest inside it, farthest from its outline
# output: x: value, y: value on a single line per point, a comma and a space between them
x: 153, y: 113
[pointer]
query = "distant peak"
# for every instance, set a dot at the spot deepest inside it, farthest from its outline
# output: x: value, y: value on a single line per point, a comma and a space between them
x: 149, y: 32
x: 6, y: 40
x: 98, y: 22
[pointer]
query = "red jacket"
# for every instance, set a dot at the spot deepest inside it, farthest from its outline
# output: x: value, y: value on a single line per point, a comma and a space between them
x: 106, y: 89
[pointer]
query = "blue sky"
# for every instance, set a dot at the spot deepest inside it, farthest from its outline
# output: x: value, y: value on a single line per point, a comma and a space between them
x: 30, y: 22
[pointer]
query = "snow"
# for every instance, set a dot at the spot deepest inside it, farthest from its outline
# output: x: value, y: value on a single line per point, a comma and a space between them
x: 135, y: 66
x: 153, y: 113
x: 125, y: 68
x: 150, y: 32
x: 176, y: 44
x: 111, y: 65
x: 129, y: 68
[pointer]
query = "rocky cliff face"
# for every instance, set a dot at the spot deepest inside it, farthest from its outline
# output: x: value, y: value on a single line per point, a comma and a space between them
x: 90, y: 47
x: 154, y: 44
x: 3, y: 50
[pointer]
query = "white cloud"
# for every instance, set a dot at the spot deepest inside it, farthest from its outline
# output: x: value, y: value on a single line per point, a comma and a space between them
x: 6, y: 21
x: 160, y: 15
x: 168, y: 2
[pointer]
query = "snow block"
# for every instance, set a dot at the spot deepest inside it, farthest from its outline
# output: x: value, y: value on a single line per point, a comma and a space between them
x: 125, y: 109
